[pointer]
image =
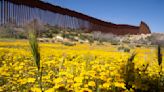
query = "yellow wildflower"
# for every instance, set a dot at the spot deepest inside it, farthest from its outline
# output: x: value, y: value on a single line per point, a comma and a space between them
x: 31, y: 79
x: 91, y: 83
x: 36, y: 90
x: 50, y: 90
x: 85, y: 90
x: 78, y: 79
x: 118, y: 84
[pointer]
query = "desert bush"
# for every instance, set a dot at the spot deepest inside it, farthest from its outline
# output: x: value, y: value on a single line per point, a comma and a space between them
x: 48, y: 34
x: 7, y: 32
x: 82, y: 37
x: 12, y: 32
x: 157, y: 39
x: 114, y: 42
x: 91, y: 40
x: 68, y: 43
x: 106, y: 37
x: 124, y: 49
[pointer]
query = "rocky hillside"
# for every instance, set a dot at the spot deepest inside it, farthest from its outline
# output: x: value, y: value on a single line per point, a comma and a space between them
x: 54, y: 34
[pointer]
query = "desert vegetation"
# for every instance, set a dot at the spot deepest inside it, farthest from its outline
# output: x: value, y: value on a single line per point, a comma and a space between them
x: 68, y: 36
x: 54, y: 59
x: 82, y: 67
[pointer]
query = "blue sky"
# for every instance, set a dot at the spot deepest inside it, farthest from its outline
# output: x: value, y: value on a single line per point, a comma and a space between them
x: 120, y: 11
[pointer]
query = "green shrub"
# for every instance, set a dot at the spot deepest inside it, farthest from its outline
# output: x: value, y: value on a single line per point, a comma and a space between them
x: 68, y: 43
x: 124, y: 49
x: 82, y: 37
x: 12, y: 32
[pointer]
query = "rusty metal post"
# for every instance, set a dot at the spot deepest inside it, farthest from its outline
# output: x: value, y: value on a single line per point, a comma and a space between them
x: 4, y: 11
x: 30, y: 14
x: 68, y: 22
x: 58, y: 21
x: 34, y: 14
x: 57, y: 18
x: 53, y: 19
x: 75, y: 23
x: 47, y: 17
x: 9, y: 12
x: 7, y: 19
x: 63, y: 21
x: 78, y: 23
x: 0, y: 12
x: 71, y: 22
x: 18, y: 14
x: 37, y: 15
x: 13, y: 13
x: 23, y: 14
x: 44, y: 18
x: 41, y: 16
x: 50, y: 18
x: 26, y: 14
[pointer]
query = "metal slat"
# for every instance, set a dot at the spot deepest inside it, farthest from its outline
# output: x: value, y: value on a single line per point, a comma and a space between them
x: 0, y: 12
